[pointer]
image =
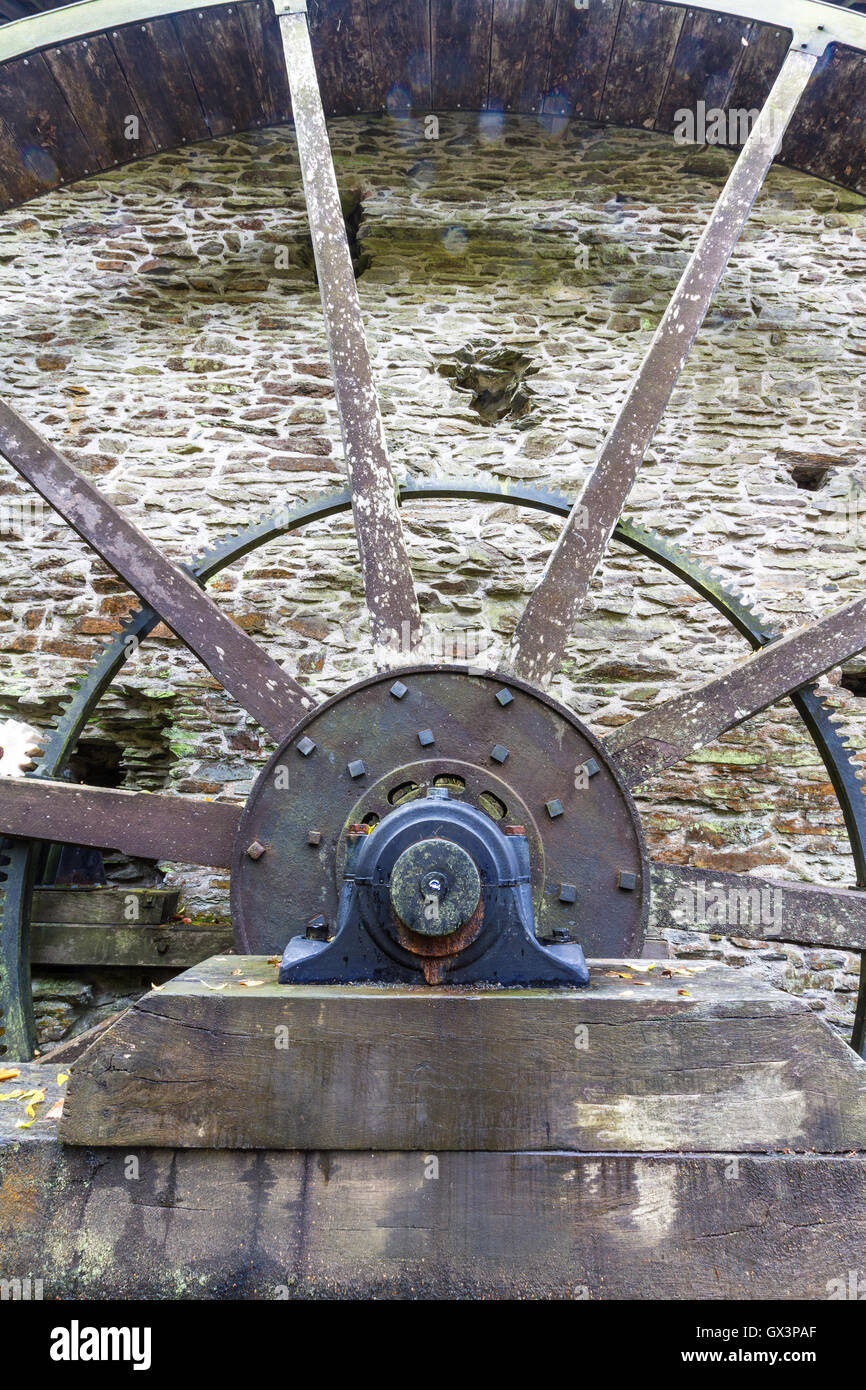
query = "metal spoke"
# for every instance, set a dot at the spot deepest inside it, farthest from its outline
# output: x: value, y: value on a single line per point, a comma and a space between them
x: 760, y: 909
x: 234, y: 659
x: 666, y: 734
x: 150, y: 827
x: 549, y: 617
x: 388, y: 584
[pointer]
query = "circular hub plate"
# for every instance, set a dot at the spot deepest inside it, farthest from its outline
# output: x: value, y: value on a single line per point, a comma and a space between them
x: 494, y: 742
x: 435, y: 887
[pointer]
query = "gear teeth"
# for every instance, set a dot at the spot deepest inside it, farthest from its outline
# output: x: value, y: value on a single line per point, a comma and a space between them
x: 19, y: 745
x: 838, y: 717
x: 558, y: 497
x: 853, y: 756
x: 756, y: 617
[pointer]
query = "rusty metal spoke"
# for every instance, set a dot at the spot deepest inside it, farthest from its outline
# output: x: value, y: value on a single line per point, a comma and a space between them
x: 549, y: 617
x: 388, y: 583
x: 256, y: 681
x: 150, y: 827
x: 760, y: 909
x: 666, y: 734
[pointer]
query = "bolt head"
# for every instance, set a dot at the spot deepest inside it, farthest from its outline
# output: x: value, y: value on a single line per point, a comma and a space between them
x: 567, y: 892
x: 398, y: 690
x: 498, y: 753
x: 591, y: 767
x: 504, y: 697
x: 425, y: 737
x: 255, y: 850
x: 626, y: 880
x: 554, y: 808
x: 314, y: 837
x: 356, y: 768
x: 305, y: 746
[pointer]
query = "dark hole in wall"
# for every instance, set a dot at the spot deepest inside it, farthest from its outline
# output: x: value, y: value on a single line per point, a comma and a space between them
x: 98, y: 763
x: 812, y: 471
x: 810, y: 476
x: 352, y: 203
x: 496, y: 377
x: 855, y: 681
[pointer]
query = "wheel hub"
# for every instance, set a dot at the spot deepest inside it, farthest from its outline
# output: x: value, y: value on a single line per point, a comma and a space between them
x: 523, y: 763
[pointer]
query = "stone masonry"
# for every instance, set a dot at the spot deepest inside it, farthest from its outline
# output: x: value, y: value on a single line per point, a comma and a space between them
x: 161, y: 325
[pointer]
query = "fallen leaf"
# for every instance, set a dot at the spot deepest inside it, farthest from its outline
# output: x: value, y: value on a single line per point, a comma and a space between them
x: 23, y: 1124
x: 62, y: 1078
x: 55, y: 1112
x: 685, y: 992
x: 239, y: 971
x: 21, y: 1095
x: 272, y: 960
x: 30, y: 1107
x: 7, y: 1074
x: 157, y: 989
x: 224, y: 985
x: 251, y: 984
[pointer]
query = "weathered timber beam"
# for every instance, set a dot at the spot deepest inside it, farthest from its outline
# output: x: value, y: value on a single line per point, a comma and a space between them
x: 256, y: 681
x: 759, y: 909
x: 388, y: 583
x: 151, y: 827
x: 726, y: 1064
x: 670, y: 731
x: 548, y: 620
x: 87, y: 943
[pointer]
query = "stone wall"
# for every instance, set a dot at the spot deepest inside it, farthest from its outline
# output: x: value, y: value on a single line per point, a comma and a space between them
x: 162, y: 325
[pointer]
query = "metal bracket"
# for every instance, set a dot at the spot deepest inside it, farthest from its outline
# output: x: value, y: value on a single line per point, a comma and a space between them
x: 814, y: 40
x: 813, y: 24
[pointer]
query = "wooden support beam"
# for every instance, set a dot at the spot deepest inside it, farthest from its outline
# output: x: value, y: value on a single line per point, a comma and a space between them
x: 650, y: 1057
x: 114, y: 907
x: 337, y: 1225
x: 171, y: 946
